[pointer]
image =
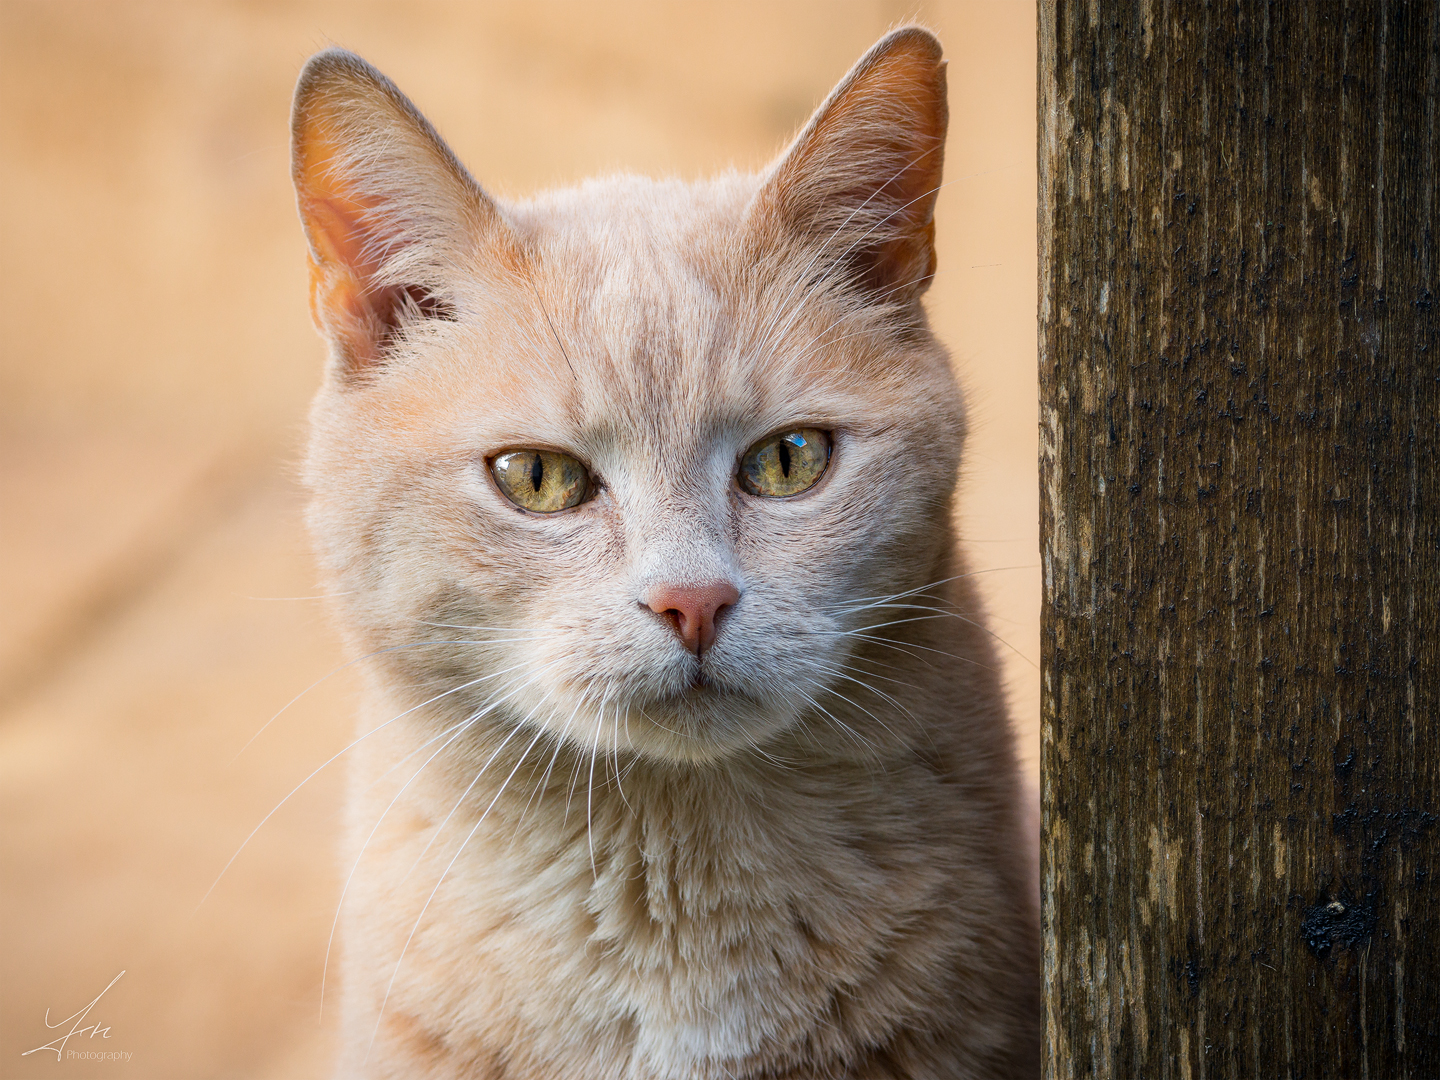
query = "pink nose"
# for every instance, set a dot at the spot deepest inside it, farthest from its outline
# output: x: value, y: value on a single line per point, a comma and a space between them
x: 693, y: 609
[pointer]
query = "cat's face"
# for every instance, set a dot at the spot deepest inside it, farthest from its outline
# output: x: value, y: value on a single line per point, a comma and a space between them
x: 549, y: 433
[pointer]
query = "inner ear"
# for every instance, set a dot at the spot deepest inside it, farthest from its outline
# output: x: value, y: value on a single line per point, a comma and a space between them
x: 396, y: 306
x: 389, y: 211
x: 351, y: 244
x: 857, y: 187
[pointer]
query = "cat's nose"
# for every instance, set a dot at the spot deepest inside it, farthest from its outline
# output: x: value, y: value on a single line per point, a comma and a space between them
x: 693, y: 609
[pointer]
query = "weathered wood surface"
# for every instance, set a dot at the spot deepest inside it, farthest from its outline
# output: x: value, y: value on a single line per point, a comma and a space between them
x: 1240, y: 392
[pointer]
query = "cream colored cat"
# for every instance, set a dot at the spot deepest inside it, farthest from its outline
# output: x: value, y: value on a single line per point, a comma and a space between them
x: 687, y: 755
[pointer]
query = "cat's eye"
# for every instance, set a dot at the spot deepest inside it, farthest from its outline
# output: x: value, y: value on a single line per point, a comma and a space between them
x: 541, y: 481
x: 785, y: 464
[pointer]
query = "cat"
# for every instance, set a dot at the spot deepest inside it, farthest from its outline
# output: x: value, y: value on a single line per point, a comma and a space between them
x: 682, y: 752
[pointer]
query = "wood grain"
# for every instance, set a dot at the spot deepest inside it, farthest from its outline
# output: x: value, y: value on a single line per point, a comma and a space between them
x: 1240, y: 538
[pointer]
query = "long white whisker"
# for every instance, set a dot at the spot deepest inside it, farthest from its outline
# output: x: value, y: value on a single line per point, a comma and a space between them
x: 906, y: 647
x: 530, y: 631
x: 839, y: 673
x: 862, y: 630
x: 965, y: 619
x: 469, y: 720
x: 575, y: 772
x: 503, y: 743
x: 328, y: 761
x: 840, y: 724
x: 336, y: 670
x: 860, y: 603
x: 615, y: 748
x: 859, y: 658
x: 662, y: 727
x: 831, y: 690
x: 539, y: 794
x: 590, y: 792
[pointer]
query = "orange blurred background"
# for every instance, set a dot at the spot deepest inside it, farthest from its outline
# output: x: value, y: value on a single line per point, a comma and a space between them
x: 156, y: 358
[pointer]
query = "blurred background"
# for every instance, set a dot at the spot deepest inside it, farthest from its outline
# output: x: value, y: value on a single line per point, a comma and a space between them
x: 156, y: 358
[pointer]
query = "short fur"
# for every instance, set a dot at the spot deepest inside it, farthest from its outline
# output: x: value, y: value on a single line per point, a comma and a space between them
x: 581, y: 850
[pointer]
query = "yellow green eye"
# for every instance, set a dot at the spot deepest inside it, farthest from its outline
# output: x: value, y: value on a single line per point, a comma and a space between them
x: 541, y: 481
x: 785, y: 464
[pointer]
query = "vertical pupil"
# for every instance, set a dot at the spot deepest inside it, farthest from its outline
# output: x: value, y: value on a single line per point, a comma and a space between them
x: 785, y: 458
x: 537, y: 473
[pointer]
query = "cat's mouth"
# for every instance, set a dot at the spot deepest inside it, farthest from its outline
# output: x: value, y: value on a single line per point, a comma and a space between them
x: 693, y: 679
x: 697, y: 688
x: 694, y: 691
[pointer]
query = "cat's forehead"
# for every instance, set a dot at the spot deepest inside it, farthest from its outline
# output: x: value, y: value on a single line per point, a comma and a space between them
x: 645, y: 288
x: 631, y: 265
x: 641, y: 317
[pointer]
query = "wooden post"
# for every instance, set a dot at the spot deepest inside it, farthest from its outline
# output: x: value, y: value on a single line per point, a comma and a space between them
x: 1240, y: 394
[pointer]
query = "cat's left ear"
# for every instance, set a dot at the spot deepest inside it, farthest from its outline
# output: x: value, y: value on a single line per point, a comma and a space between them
x: 391, y: 215
x: 857, y: 187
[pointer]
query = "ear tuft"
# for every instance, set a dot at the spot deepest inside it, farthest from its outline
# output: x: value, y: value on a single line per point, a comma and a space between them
x: 387, y: 208
x: 858, y: 184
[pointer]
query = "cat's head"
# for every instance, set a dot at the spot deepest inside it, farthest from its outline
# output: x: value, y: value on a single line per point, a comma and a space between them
x: 627, y: 462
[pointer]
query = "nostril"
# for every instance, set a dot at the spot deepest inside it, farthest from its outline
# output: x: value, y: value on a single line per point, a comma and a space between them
x: 693, y: 609
x: 675, y: 618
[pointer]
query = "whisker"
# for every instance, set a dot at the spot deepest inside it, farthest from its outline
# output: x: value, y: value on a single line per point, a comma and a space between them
x: 545, y: 777
x: 934, y: 614
x: 907, y: 647
x: 861, y: 659
x: 860, y: 602
x: 469, y: 720
x: 839, y: 673
x: 530, y: 630
x: 590, y: 792
x: 838, y: 723
x: 853, y: 704
x: 328, y: 761
x: 519, y: 726
x: 754, y: 746
x: 575, y: 773
x: 615, y: 748
x: 335, y: 671
x: 662, y: 727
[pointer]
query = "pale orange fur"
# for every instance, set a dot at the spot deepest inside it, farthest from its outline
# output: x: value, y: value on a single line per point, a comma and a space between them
x: 814, y: 863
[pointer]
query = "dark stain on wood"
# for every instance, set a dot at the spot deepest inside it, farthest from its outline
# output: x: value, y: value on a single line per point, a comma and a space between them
x: 1344, y: 921
x: 1240, y: 396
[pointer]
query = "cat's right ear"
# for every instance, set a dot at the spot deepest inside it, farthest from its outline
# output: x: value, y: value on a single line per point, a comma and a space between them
x: 388, y: 210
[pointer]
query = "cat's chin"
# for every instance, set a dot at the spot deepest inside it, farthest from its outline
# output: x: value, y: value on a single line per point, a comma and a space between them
x: 702, y: 724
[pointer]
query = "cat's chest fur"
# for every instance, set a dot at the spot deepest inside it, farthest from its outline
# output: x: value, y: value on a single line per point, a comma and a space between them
x: 759, y: 921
